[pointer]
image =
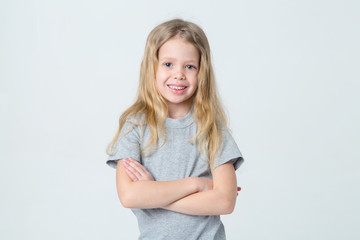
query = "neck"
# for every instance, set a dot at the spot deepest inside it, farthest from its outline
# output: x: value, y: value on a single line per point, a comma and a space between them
x: 178, y: 111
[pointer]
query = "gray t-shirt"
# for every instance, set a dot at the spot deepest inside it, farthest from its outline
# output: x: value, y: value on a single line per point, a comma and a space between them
x: 176, y: 159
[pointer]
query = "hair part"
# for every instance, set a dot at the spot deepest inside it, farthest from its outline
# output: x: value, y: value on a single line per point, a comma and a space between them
x: 208, y: 111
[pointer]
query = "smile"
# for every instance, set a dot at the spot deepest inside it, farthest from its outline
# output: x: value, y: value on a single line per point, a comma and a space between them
x: 177, y: 89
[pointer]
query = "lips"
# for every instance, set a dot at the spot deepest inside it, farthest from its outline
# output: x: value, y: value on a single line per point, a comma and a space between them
x: 177, y: 89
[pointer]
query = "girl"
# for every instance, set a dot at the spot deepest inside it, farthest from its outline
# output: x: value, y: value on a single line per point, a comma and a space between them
x: 175, y: 159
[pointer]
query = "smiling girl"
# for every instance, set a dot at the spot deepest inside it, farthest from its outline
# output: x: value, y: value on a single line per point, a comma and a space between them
x: 175, y: 159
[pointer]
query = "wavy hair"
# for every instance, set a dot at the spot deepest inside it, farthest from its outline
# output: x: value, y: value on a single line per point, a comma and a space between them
x: 150, y: 107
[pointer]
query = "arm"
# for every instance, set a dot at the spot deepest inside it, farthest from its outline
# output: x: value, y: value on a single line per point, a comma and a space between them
x: 218, y: 201
x: 209, y: 200
x: 149, y: 193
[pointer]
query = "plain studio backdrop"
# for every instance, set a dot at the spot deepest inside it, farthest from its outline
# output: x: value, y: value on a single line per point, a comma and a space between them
x: 288, y: 75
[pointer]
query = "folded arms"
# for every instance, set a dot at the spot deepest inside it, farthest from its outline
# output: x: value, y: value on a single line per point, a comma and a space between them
x: 192, y: 195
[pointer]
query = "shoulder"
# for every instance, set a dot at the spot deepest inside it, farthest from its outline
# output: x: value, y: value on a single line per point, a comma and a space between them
x: 224, y: 130
x: 227, y: 137
x: 137, y: 119
x: 135, y: 122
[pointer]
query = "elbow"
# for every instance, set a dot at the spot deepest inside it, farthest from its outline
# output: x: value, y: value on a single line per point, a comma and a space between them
x: 126, y: 201
x: 227, y: 201
x: 229, y: 205
x: 229, y: 209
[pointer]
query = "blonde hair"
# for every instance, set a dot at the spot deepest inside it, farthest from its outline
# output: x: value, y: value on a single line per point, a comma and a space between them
x: 208, y: 111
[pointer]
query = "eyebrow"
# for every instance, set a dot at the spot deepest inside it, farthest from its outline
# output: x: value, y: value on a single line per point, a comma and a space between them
x: 174, y: 59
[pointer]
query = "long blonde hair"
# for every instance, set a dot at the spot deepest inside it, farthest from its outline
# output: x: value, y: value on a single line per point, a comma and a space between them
x: 208, y: 111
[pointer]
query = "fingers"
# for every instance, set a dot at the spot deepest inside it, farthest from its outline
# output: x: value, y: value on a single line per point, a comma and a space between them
x: 137, y: 166
x: 131, y: 175
x: 137, y: 169
x: 130, y: 170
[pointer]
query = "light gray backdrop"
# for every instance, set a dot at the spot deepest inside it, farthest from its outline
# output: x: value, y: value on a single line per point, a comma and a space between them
x: 288, y: 74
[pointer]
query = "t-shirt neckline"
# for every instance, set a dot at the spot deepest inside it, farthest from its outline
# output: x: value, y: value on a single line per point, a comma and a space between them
x: 179, y: 122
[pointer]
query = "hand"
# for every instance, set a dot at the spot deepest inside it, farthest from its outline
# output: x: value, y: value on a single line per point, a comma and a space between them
x: 136, y: 171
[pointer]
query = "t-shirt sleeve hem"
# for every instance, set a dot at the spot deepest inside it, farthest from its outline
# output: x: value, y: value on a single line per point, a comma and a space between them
x: 113, y: 160
x: 236, y: 161
x: 112, y: 163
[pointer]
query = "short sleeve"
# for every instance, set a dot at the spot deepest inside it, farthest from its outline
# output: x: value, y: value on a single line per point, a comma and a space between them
x: 128, y: 145
x: 229, y: 151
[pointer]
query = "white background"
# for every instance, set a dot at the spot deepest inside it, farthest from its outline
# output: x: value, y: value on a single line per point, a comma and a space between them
x: 287, y: 72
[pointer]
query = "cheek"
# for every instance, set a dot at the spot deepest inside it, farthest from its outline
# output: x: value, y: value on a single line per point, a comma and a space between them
x: 196, y: 85
x: 194, y: 81
x: 159, y: 82
x: 157, y: 77
x: 160, y: 76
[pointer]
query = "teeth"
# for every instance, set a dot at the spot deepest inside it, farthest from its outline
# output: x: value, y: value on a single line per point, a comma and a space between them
x: 177, y: 88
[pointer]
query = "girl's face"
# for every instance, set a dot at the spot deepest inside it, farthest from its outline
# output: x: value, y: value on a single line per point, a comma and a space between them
x: 176, y: 76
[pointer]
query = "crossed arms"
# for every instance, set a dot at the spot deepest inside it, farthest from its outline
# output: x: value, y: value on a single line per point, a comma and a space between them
x: 192, y: 195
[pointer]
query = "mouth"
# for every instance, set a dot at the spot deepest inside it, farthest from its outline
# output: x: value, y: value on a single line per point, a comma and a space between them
x: 177, y: 89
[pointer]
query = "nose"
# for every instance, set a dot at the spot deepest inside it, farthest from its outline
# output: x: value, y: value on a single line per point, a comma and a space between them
x: 179, y: 75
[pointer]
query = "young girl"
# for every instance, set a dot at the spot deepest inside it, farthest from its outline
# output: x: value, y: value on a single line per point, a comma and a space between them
x: 175, y: 159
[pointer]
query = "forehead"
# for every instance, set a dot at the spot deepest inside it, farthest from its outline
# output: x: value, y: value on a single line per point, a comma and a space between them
x: 178, y: 48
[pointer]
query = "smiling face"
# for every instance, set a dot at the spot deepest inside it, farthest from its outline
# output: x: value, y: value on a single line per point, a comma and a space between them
x: 176, y: 76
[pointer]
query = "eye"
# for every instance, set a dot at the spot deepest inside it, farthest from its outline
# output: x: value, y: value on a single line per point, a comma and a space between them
x: 190, y: 67
x: 167, y: 64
